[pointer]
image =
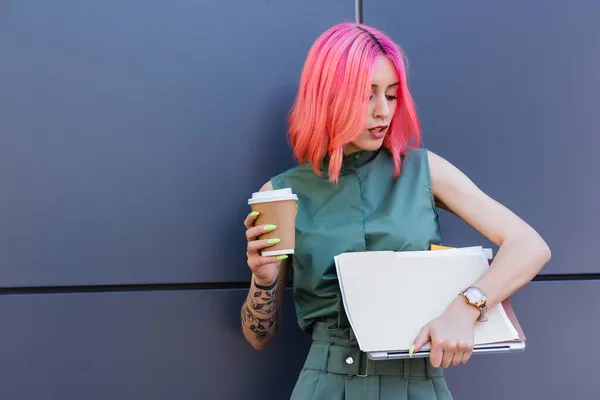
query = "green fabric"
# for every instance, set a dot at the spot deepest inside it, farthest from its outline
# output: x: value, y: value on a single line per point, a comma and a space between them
x: 327, y: 375
x: 368, y: 209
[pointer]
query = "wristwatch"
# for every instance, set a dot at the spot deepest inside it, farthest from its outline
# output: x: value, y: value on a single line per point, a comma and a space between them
x: 476, y: 297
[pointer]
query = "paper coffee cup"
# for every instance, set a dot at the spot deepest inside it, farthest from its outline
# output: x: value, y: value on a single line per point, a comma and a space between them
x: 276, y: 207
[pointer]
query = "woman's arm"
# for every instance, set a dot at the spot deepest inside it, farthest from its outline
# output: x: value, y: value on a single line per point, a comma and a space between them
x: 262, y: 309
x: 522, y: 254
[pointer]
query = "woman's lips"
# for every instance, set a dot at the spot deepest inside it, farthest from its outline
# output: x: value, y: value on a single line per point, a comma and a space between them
x: 379, y: 131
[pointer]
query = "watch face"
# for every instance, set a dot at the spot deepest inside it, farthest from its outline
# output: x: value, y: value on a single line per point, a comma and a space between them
x: 474, y: 296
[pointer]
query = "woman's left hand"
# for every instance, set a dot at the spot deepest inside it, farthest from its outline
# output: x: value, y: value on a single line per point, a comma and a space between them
x: 450, y: 335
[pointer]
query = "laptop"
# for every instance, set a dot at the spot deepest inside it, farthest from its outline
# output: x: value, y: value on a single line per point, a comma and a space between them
x: 482, y: 349
x: 378, y: 289
x: 515, y: 346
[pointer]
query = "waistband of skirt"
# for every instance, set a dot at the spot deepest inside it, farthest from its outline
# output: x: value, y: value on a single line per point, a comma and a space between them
x: 332, y: 352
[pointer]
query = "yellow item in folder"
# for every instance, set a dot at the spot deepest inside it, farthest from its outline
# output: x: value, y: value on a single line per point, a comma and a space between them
x: 438, y: 247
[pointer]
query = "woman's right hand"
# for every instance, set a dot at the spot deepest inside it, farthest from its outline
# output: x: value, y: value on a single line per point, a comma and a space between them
x: 265, y: 269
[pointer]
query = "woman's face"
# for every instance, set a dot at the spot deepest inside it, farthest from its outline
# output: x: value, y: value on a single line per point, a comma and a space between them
x: 384, y: 87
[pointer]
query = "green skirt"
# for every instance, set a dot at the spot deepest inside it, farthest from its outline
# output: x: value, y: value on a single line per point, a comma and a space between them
x: 336, y: 369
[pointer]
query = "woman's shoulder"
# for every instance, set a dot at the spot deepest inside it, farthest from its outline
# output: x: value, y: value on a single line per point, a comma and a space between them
x: 292, y: 176
x: 416, y: 153
x: 414, y: 160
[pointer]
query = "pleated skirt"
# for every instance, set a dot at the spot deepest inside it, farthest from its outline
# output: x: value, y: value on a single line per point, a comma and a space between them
x: 336, y: 369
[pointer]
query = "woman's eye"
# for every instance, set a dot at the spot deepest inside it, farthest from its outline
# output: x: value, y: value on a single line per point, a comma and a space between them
x: 388, y: 97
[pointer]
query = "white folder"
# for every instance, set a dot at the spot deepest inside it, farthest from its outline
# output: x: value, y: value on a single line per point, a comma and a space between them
x: 389, y: 296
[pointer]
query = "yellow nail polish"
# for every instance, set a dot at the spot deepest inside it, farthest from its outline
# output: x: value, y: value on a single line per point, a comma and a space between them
x: 296, y: 206
x: 270, y: 227
x: 254, y: 213
x: 283, y: 257
x: 410, y: 351
x: 273, y: 241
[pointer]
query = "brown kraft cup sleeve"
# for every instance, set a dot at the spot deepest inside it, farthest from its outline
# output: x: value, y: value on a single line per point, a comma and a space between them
x: 283, y: 214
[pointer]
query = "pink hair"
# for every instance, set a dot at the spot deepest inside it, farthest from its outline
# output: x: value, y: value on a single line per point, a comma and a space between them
x: 333, y: 97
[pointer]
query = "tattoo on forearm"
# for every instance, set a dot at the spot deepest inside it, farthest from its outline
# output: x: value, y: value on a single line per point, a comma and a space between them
x: 259, y: 312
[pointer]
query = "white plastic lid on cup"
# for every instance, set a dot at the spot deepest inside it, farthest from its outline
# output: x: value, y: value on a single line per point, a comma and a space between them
x: 272, y: 195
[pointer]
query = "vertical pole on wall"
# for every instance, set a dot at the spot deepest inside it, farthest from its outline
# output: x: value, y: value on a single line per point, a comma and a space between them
x: 358, y: 11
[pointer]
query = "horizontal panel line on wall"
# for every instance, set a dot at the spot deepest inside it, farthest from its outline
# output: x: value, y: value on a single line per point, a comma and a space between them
x: 214, y: 285
x: 146, y: 287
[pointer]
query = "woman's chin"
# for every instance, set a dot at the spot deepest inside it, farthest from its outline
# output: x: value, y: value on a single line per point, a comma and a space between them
x: 372, y: 144
x: 368, y: 144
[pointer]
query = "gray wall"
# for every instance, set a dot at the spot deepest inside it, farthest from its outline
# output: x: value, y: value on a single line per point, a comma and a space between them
x: 123, y: 126
x: 509, y: 91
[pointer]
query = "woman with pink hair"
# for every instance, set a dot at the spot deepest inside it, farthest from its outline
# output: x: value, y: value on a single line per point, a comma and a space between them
x: 364, y: 183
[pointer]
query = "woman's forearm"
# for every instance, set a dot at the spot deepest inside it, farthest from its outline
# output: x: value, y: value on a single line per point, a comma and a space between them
x: 518, y: 261
x: 259, y: 314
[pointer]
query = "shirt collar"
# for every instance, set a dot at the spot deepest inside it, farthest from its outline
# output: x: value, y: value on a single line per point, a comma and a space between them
x: 354, y: 160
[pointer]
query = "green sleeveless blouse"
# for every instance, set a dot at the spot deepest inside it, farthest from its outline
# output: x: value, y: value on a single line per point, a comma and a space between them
x: 368, y: 209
